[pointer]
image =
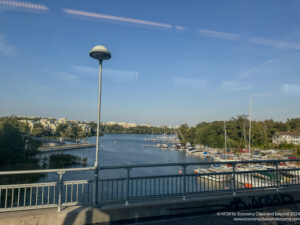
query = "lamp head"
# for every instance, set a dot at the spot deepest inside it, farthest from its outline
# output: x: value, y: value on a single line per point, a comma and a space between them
x: 100, y: 52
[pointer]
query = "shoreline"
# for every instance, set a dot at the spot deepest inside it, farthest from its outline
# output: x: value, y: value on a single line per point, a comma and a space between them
x: 65, y: 147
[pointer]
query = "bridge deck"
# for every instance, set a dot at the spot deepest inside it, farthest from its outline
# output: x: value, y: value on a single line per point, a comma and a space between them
x: 158, y: 211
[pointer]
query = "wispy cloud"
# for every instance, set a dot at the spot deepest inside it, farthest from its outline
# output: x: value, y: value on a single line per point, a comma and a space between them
x: 220, y: 35
x: 17, y: 5
x: 257, y: 68
x: 274, y: 43
x: 69, y: 78
x: 117, y: 75
x: 180, y: 28
x: 87, y: 70
x: 190, y: 82
x: 116, y: 18
x: 291, y: 89
x: 5, y: 47
x: 235, y: 86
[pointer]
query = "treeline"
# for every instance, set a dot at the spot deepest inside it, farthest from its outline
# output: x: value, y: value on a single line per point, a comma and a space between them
x: 72, y: 131
x: 17, y: 151
x: 212, y: 133
x: 117, y: 129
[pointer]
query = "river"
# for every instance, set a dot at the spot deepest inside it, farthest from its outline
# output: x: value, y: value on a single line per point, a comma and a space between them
x: 124, y: 149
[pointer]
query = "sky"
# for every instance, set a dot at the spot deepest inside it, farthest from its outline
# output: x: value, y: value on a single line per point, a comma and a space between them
x: 173, y: 62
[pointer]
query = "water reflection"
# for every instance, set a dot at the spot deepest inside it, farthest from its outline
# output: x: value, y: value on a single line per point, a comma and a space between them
x: 122, y: 149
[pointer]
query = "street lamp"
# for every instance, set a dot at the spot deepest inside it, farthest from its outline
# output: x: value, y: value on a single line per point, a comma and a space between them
x: 100, y: 53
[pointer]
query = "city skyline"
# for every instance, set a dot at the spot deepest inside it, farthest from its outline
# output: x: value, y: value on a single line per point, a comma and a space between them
x: 185, y: 63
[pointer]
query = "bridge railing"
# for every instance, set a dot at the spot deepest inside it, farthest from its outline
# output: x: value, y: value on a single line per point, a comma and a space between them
x: 133, y: 183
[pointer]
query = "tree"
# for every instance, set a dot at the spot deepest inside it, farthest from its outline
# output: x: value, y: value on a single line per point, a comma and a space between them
x: 17, y: 151
x: 37, y: 130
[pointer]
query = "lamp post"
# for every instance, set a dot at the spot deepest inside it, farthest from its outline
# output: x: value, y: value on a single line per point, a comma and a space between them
x: 100, y: 53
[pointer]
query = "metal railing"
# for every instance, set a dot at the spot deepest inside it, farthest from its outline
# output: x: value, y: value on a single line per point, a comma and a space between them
x: 180, y: 180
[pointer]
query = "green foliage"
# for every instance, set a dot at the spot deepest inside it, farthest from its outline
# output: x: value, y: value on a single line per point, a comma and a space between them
x: 117, y: 129
x: 17, y: 150
x: 212, y: 133
x: 38, y: 130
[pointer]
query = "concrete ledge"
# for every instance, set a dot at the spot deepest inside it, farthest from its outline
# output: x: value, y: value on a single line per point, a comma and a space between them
x: 193, y: 205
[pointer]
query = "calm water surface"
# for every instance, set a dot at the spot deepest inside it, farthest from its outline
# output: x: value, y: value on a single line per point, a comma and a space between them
x: 124, y: 149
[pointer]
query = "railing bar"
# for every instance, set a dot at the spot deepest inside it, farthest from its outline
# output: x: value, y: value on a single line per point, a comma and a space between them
x: 54, y: 190
x: 30, y: 197
x: 112, y: 190
x: 131, y: 187
x: 150, y: 186
x: 48, y: 194
x: 136, y: 186
x: 102, y: 191
x: 196, y: 183
x: 194, y: 188
x: 208, y: 183
x: 88, y: 191
x: 164, y: 188
x: 72, y: 192
x: 169, y: 185
x: 122, y: 187
x: 158, y: 186
x: 77, y: 192
x: 141, y: 189
x: 36, y: 195
x: 117, y: 190
x: 146, y: 186
x: 82, y: 193
x: 12, y: 198
x: 204, y: 182
x: 107, y: 190
x: 43, y: 189
x: 245, y: 178
x: 5, y: 203
x: 66, y: 194
x: 176, y: 185
x: 155, y: 187
x: 25, y: 191
x: 18, y: 202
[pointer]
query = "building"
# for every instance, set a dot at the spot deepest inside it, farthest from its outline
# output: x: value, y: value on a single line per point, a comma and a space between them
x: 30, y: 123
x: 110, y: 123
x: 286, y: 137
x: 85, y: 127
x: 145, y: 125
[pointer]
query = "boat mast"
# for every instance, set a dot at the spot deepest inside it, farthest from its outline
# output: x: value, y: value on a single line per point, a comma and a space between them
x: 225, y: 137
x: 244, y: 134
x: 250, y: 118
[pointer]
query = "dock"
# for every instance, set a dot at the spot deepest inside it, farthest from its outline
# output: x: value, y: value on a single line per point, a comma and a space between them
x: 65, y: 147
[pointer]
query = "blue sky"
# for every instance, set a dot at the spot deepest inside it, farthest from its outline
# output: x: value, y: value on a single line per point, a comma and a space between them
x: 172, y: 62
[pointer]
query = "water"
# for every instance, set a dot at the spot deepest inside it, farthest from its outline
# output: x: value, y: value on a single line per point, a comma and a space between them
x: 124, y: 149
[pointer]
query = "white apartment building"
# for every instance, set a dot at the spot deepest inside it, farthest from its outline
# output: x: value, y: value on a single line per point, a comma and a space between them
x: 29, y: 122
x: 85, y: 127
x: 145, y: 125
x: 288, y: 137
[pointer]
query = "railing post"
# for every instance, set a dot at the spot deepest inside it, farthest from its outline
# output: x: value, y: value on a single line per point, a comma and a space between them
x: 277, y: 176
x: 60, y: 187
x: 127, y: 189
x: 95, y: 187
x: 184, y: 183
x: 233, y: 179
